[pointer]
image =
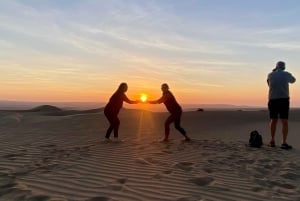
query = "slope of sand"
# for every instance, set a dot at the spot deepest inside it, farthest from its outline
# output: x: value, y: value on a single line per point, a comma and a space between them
x: 63, y: 158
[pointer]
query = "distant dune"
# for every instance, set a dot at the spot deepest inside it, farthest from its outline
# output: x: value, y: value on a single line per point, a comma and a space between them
x: 50, y: 110
x: 45, y: 108
x: 27, y: 105
x: 55, y: 111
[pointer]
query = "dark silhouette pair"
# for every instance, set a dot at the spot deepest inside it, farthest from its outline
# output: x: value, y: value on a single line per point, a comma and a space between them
x: 115, y: 103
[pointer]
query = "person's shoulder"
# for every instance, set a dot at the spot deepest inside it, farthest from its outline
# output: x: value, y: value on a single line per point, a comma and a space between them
x: 271, y: 73
x: 169, y: 93
x: 118, y: 94
x: 287, y: 73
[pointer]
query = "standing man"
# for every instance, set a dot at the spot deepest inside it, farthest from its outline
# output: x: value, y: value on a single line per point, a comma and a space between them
x: 279, y: 101
x: 174, y: 108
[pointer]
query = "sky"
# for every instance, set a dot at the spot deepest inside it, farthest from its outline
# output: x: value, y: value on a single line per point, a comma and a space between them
x: 208, y: 51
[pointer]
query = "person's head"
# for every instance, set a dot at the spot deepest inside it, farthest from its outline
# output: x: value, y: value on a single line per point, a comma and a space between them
x: 164, y: 87
x: 280, y: 65
x: 123, y: 87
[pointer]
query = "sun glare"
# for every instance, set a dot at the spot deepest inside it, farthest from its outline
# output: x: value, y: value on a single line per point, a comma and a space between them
x: 143, y: 97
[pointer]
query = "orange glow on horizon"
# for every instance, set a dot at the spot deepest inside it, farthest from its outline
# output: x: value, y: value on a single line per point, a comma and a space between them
x: 244, y: 95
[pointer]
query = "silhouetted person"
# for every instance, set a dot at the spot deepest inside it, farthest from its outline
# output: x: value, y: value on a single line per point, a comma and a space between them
x: 174, y: 108
x: 279, y: 101
x: 113, y: 107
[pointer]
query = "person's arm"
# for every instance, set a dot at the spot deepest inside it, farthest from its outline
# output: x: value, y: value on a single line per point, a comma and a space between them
x: 127, y: 100
x: 268, y: 80
x: 292, y: 79
x: 161, y: 100
x: 152, y: 102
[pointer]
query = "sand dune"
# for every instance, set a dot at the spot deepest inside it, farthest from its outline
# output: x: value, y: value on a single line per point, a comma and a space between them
x: 64, y: 158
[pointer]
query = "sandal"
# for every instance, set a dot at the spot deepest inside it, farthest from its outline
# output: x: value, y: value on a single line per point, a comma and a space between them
x: 286, y: 146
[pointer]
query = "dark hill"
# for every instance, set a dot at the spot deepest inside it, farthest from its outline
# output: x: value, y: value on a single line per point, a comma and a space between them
x: 55, y: 111
x: 45, y: 108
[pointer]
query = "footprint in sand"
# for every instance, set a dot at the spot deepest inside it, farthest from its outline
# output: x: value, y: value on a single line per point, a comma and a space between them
x: 12, y: 156
x: 158, y: 176
x: 100, y: 198
x: 38, y: 198
x: 188, y: 199
x: 207, y: 169
x: 48, y: 146
x: 289, y: 175
x: 163, y: 174
x: 6, y: 181
x: 167, y: 151
x: 142, y: 161
x: 122, y: 180
x: 167, y: 171
x: 186, y: 166
x: 9, y: 187
x: 118, y: 185
x: 202, y: 181
x: 115, y: 187
x: 257, y: 189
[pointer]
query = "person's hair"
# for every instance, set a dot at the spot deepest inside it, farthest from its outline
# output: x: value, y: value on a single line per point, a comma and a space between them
x: 280, y: 65
x: 123, y: 87
x: 165, y: 86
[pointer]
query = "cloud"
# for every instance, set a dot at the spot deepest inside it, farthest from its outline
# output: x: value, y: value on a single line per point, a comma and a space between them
x: 196, y: 44
x: 277, y: 31
x: 5, y: 44
x: 286, y: 46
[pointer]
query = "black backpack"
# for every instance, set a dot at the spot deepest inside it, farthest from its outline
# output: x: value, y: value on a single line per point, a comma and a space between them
x: 255, y: 139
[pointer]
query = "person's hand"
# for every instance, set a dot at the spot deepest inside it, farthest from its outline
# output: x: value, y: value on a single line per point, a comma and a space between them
x: 151, y: 102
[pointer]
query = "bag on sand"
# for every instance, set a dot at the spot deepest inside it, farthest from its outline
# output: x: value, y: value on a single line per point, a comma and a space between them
x: 255, y: 139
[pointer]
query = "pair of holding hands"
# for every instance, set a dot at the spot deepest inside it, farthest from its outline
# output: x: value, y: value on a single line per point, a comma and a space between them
x: 144, y: 99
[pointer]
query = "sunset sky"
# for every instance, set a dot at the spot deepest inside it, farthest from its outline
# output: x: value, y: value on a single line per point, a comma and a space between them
x: 208, y: 51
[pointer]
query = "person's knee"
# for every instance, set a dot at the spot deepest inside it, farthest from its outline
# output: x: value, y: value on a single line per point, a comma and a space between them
x: 177, y: 126
x: 167, y: 123
x: 284, y: 121
x: 274, y: 121
x: 116, y: 122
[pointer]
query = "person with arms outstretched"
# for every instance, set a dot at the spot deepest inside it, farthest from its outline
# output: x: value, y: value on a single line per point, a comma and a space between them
x: 112, y: 110
x: 279, y: 101
x: 175, y: 110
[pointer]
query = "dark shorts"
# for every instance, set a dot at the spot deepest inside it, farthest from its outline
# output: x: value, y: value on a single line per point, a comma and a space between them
x: 279, y: 108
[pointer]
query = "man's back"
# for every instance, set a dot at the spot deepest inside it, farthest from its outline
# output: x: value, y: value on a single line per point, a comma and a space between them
x: 278, y: 81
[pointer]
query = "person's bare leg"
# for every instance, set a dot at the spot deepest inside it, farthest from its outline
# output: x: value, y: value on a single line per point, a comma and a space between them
x: 273, y: 124
x: 285, y: 130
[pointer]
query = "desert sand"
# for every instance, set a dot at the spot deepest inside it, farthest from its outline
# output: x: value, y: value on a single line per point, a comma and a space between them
x: 62, y: 156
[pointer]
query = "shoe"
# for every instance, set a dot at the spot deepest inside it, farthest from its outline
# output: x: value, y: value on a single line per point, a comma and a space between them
x: 286, y: 146
x: 117, y: 140
x: 107, y: 140
x: 186, y: 139
x: 164, y: 140
x: 272, y: 144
